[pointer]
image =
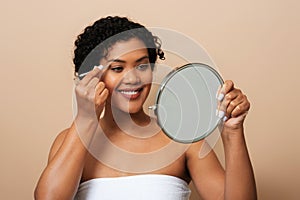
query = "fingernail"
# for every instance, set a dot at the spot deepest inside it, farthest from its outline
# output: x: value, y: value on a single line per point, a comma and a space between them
x: 218, y: 91
x: 221, y: 114
x: 220, y: 97
x: 99, y: 67
x: 225, y: 119
x: 223, y: 88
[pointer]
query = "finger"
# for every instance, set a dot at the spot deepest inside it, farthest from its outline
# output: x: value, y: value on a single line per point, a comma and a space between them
x: 101, y: 98
x: 220, y: 97
x: 218, y: 93
x: 240, y: 109
x: 226, y: 101
x: 90, y: 75
x: 89, y: 90
x: 232, y: 104
x: 227, y: 87
x: 92, y: 83
x: 99, y: 87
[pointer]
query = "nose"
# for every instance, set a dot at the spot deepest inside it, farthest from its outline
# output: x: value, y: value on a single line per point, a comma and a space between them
x: 132, y: 77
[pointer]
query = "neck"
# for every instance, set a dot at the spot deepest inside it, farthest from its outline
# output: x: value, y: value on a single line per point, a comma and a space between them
x: 116, y: 119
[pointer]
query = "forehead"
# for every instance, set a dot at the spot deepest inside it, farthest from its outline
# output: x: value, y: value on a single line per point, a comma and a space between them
x: 124, y: 48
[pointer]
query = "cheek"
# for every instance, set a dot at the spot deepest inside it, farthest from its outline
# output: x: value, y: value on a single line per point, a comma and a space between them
x: 147, y: 78
x: 111, y: 83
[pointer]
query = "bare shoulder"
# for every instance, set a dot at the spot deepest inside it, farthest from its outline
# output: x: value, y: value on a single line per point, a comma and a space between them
x: 57, y: 143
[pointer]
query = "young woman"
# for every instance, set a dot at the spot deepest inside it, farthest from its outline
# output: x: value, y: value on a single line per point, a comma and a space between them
x: 74, y: 172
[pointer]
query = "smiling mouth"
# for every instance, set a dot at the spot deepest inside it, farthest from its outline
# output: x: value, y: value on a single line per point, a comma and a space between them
x: 131, y: 93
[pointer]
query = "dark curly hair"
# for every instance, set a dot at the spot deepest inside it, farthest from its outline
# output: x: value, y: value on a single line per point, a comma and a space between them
x: 95, y: 41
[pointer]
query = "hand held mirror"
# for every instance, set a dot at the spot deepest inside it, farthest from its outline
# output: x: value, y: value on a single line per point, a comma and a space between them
x: 186, y: 102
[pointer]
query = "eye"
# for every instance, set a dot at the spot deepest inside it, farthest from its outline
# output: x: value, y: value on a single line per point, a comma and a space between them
x: 117, y: 69
x: 143, y: 67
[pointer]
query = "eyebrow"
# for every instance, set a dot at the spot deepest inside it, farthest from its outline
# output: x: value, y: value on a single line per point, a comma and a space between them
x: 123, y: 61
x: 142, y: 58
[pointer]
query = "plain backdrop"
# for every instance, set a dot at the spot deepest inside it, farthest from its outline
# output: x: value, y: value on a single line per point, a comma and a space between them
x: 255, y: 43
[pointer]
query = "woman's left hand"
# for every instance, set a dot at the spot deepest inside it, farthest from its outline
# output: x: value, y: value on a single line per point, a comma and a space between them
x: 233, y: 106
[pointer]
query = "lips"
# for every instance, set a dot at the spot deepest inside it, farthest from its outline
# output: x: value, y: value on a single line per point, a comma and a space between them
x: 131, y: 93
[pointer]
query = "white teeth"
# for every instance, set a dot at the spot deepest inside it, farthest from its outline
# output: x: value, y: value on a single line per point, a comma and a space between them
x: 129, y: 92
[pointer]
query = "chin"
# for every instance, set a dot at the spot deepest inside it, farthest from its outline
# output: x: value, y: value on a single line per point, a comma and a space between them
x: 135, y: 111
x: 131, y: 109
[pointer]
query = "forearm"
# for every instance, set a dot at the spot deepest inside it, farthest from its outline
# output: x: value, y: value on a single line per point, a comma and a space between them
x: 239, y: 177
x: 62, y: 175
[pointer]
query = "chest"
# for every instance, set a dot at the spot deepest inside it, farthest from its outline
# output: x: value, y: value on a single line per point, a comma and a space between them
x: 130, y: 156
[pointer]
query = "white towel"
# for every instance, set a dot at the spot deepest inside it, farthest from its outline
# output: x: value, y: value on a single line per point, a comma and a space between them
x: 138, y: 187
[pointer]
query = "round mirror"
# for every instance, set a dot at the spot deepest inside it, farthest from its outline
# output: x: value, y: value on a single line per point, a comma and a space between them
x: 186, y: 102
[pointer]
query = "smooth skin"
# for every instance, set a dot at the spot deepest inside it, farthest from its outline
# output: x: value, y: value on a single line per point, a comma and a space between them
x: 70, y: 162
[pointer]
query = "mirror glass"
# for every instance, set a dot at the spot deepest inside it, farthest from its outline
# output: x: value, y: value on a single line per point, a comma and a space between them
x: 186, y: 102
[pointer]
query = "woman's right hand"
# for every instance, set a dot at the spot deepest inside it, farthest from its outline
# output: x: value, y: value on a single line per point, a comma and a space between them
x: 68, y: 153
x: 91, y: 95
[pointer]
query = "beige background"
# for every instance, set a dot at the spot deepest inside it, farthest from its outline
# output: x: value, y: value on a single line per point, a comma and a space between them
x: 256, y: 43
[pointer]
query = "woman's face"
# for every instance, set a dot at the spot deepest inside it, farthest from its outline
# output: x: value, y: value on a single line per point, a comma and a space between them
x: 128, y: 76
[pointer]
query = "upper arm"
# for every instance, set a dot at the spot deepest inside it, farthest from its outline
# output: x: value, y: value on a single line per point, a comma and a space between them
x: 57, y: 144
x: 207, y: 173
